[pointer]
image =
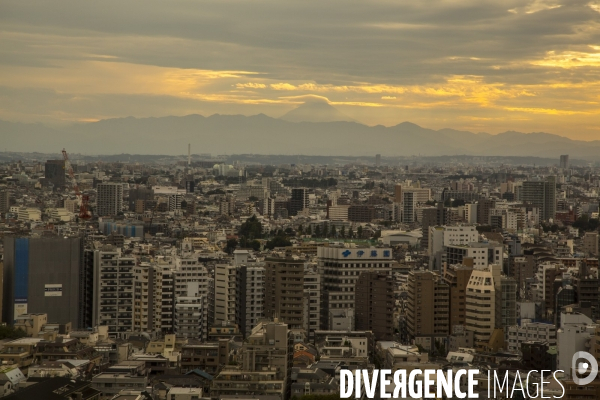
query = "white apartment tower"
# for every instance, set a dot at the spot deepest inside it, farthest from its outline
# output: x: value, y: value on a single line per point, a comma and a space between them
x: 113, y: 290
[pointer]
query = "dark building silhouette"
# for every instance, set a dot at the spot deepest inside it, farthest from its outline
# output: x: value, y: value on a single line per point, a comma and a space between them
x: 55, y: 172
x: 374, y: 304
x: 299, y: 200
x: 43, y: 275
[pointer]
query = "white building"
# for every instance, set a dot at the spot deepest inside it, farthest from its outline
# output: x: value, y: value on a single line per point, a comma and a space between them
x: 576, y: 333
x: 340, y: 267
x: 191, y: 279
x: 28, y: 214
x: 113, y: 291
x: 529, y: 331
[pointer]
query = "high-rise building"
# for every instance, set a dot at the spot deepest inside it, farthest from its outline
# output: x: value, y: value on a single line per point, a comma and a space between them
x: 147, y: 294
x: 457, y: 277
x: 312, y: 303
x: 409, y: 205
x: 55, y: 172
x: 43, y: 275
x: 541, y: 194
x: 429, y: 218
x: 4, y: 201
x: 484, y: 208
x: 113, y: 290
x: 484, y: 307
x: 191, y: 281
x: 378, y: 160
x: 340, y: 268
x: 251, y: 296
x: 564, y: 161
x: 284, y: 290
x: 299, y: 200
x: 225, y: 293
x: 109, y: 200
x: 375, y: 304
x: 428, y: 306
x: 590, y: 243
x: 142, y: 194
x: 398, y: 193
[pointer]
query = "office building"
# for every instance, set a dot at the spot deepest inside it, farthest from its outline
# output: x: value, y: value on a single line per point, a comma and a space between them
x: 541, y: 194
x: 139, y: 194
x: 109, y: 200
x: 299, y: 201
x: 564, y: 161
x: 378, y: 160
x: 284, y: 290
x: 375, y: 304
x: 340, y: 268
x: 42, y: 275
x: 55, y: 173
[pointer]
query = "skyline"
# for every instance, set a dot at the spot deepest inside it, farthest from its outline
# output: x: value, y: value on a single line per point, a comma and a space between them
x: 477, y: 66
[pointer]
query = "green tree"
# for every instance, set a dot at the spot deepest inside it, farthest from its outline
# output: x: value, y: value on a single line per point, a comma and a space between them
x: 318, y: 231
x: 9, y: 332
x: 251, y: 229
x: 359, y: 232
x: 350, y: 233
x: 255, y: 244
x: 278, y: 241
x: 231, y: 246
x: 333, y: 231
x: 343, y: 232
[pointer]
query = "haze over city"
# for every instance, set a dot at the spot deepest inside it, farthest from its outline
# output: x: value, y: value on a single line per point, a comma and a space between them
x: 481, y: 66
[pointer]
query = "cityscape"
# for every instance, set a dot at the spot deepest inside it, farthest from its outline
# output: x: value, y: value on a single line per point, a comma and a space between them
x: 299, y: 200
x: 254, y: 280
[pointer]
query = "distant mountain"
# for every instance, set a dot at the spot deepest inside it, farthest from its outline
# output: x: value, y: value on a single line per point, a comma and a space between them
x: 316, y: 111
x: 260, y: 134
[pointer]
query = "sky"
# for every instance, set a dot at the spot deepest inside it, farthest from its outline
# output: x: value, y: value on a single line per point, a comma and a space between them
x: 475, y: 65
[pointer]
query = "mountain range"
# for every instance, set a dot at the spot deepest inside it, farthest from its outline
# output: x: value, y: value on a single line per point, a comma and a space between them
x: 291, y: 134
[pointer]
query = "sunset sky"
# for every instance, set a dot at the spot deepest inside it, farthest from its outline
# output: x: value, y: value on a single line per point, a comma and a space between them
x: 466, y: 64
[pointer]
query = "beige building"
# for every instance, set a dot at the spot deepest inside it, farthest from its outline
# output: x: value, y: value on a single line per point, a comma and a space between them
x: 147, y: 304
x: 484, y: 311
x: 31, y: 324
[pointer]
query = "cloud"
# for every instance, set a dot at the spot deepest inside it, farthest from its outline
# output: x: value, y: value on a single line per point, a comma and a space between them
x: 431, y: 61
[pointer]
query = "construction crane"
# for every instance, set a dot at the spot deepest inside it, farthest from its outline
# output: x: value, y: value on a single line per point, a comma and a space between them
x: 83, y: 199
